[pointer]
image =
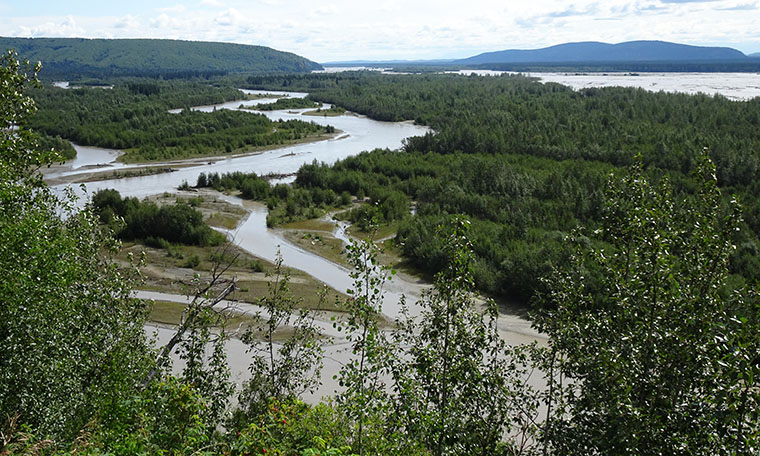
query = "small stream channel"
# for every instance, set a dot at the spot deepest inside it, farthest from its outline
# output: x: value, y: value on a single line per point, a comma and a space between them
x: 359, y: 133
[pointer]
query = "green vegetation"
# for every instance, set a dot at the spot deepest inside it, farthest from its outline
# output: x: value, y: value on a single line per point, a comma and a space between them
x: 288, y: 103
x: 159, y: 226
x: 134, y: 116
x: 286, y: 370
x: 660, y: 355
x: 285, y: 203
x: 652, y: 345
x: 332, y: 111
x: 57, y: 144
x: 72, y: 58
x: 526, y: 162
x: 71, y: 338
x: 125, y: 174
x: 170, y: 313
x: 320, y: 242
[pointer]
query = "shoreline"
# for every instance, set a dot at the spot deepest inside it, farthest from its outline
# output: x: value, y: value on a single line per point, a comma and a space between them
x: 63, y: 174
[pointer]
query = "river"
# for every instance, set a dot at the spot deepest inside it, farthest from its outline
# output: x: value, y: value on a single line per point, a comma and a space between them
x: 358, y: 133
x: 734, y: 86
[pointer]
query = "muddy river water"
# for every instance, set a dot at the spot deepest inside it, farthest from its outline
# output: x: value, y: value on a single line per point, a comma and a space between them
x: 357, y: 134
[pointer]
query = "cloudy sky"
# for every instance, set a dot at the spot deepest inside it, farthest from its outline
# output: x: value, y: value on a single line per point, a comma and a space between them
x: 333, y: 30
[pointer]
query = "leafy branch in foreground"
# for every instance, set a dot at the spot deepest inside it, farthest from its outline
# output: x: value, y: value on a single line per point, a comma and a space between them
x: 364, y: 398
x: 459, y: 388
x: 660, y: 357
x: 71, y: 337
x: 281, y: 370
x: 206, y: 298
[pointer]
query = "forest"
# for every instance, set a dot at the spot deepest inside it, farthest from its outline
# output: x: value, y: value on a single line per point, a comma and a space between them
x: 67, y: 58
x: 651, y: 341
x: 527, y: 162
x: 134, y: 116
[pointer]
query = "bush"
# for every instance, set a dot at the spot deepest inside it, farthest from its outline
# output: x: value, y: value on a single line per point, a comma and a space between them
x: 192, y: 262
x: 157, y: 226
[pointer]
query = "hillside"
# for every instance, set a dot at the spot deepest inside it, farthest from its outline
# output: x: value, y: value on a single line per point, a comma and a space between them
x: 632, y: 51
x: 78, y: 57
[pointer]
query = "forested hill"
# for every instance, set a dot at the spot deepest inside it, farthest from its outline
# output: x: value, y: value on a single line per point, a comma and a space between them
x: 631, y: 51
x: 69, y: 58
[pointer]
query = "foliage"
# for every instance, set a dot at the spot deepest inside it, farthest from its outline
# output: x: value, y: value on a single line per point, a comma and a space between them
x: 208, y: 373
x: 166, y: 417
x: 364, y: 397
x: 662, y: 359
x: 286, y: 203
x: 458, y: 388
x: 281, y: 370
x: 57, y: 144
x: 76, y: 57
x: 144, y: 220
x: 288, y: 103
x: 526, y: 162
x: 135, y: 116
x: 71, y: 338
x: 520, y: 208
x: 290, y: 427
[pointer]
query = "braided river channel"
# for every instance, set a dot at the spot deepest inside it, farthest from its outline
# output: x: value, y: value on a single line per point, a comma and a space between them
x: 356, y: 134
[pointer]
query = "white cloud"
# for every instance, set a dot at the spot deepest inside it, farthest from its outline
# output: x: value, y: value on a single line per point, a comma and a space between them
x: 176, y: 9
x: 127, y: 22
x: 230, y: 17
x: 162, y: 21
x: 413, y: 29
x: 326, y: 10
x: 66, y: 27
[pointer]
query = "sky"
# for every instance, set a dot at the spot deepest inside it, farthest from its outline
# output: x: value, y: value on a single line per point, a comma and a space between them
x: 339, y: 30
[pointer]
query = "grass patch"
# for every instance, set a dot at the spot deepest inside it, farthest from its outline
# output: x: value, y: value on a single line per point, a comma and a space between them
x: 169, y: 272
x: 309, y: 225
x: 229, y: 222
x: 170, y: 313
x: 166, y: 312
x: 138, y: 172
x: 315, y: 236
x: 384, y: 231
x: 320, y: 243
x: 335, y: 111
x: 132, y: 155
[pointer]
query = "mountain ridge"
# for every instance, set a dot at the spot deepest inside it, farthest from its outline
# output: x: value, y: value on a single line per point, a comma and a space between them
x: 594, y: 51
x: 98, y: 57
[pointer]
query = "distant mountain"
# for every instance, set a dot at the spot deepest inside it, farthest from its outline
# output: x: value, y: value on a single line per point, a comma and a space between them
x: 756, y: 55
x: 591, y: 51
x: 78, y: 57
